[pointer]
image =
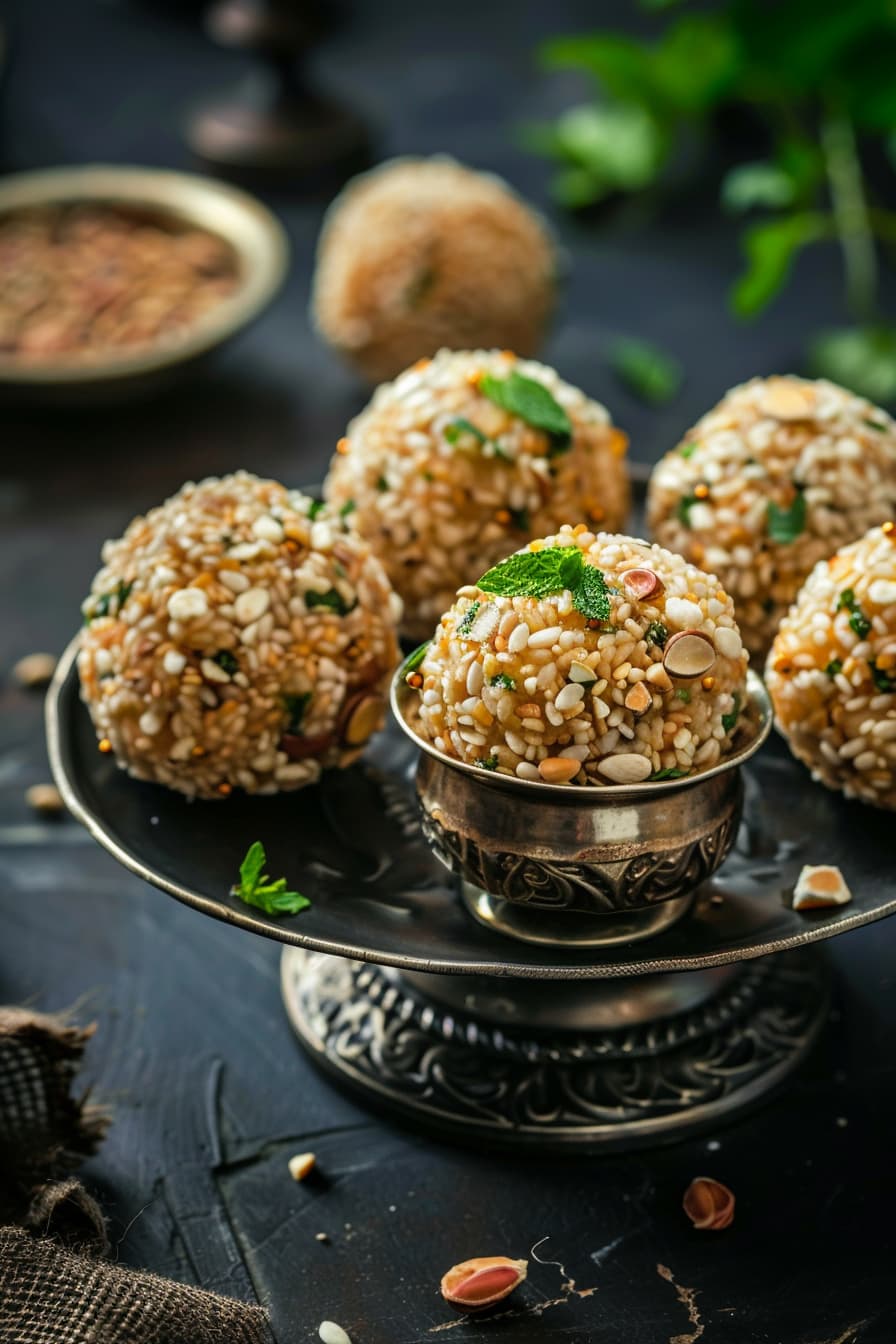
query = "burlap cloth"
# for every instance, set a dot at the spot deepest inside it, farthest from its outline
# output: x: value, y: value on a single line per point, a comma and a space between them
x: 56, y: 1286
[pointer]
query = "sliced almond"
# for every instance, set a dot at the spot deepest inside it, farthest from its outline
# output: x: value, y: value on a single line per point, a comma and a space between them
x: 582, y: 673
x: 642, y: 583
x: 639, y: 698
x: 301, y: 1165
x: 689, y: 654
x: 787, y: 399
x: 627, y: 768
x: 819, y: 886
x: 362, y: 719
x: 658, y: 676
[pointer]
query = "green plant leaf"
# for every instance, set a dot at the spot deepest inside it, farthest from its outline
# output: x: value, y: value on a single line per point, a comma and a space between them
x: 530, y: 400
x: 590, y: 595
x: 785, y: 525
x: 619, y: 145
x: 695, y: 63
x: 861, y: 358
x: 257, y: 889
x: 749, y: 185
x: 770, y: 249
x: 646, y: 370
x: 535, y: 573
x: 413, y: 660
x: 252, y: 865
x: 622, y: 65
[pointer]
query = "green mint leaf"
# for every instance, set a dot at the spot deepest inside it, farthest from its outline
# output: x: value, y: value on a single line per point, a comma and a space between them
x: 505, y: 682
x: 487, y: 762
x: 669, y: 773
x: 651, y: 374
x: 847, y: 600
x: 656, y: 633
x: 883, y: 680
x: 684, y: 694
x: 860, y: 624
x: 683, y: 511
x: 251, y: 866
x: 226, y: 660
x: 466, y: 623
x: 785, y: 525
x: 535, y: 573
x: 688, y: 449
x: 296, y: 705
x: 314, y: 508
x: 590, y: 595
x: 261, y: 892
x: 331, y: 598
x: 834, y: 667
x: 456, y: 429
x: 348, y: 507
x: 770, y: 248
x: 730, y: 719
x: 531, y: 401
x: 762, y: 183
x: 413, y: 660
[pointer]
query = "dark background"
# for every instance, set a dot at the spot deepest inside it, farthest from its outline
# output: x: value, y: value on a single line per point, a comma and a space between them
x: 210, y: 1093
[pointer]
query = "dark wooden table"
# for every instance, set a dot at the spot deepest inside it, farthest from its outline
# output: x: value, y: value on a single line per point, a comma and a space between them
x: 210, y: 1092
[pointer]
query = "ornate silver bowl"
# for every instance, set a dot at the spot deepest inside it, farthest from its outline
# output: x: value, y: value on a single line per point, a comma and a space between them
x: 617, y: 862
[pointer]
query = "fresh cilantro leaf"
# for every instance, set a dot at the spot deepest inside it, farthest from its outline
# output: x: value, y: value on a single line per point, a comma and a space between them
x: 257, y: 889
x: 590, y: 595
x: 314, y: 508
x: 332, y: 598
x: 884, y: 681
x: 296, y: 705
x: 834, y: 667
x: 730, y: 719
x: 785, y: 525
x: 651, y: 374
x: 656, y: 633
x: 413, y: 660
x: 226, y: 660
x: 469, y: 617
x: 457, y: 428
x: 669, y: 773
x: 348, y: 507
x: 531, y: 401
x: 505, y: 682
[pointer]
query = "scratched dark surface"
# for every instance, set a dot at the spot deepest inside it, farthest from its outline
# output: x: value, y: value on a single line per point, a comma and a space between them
x: 210, y: 1092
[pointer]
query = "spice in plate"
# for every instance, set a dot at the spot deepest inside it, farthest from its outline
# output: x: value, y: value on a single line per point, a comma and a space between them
x: 545, y: 669
x: 89, y: 281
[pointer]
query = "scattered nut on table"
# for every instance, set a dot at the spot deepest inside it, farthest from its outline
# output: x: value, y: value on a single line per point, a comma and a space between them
x: 818, y: 886
x: 301, y: 1165
x: 331, y: 1333
x: 709, y: 1204
x: 45, y: 798
x: 476, y: 1284
x: 35, y: 670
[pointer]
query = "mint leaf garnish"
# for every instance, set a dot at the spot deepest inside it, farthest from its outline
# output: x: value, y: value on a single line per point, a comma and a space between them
x: 532, y: 402
x: 688, y: 449
x: 457, y: 428
x: 884, y: 681
x: 348, y: 507
x: 332, y: 598
x: 541, y: 573
x: 656, y: 633
x: 413, y: 660
x: 785, y: 525
x: 467, y: 621
x: 683, y: 511
x: 858, y: 621
x: 295, y: 708
x: 730, y: 719
x: 226, y: 661
x: 487, y: 762
x: 256, y: 888
x: 590, y: 595
x: 669, y: 773
x: 502, y: 680
x: 314, y: 508
x: 834, y: 667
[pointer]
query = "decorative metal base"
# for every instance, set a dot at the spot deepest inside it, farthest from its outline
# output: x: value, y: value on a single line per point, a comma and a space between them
x: 565, y: 928
x: 516, y: 1062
